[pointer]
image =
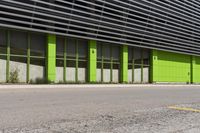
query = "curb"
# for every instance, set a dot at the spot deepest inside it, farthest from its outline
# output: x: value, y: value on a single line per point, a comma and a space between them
x: 92, y: 85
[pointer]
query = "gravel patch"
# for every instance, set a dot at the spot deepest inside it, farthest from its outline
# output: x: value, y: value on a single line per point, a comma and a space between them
x: 155, y: 120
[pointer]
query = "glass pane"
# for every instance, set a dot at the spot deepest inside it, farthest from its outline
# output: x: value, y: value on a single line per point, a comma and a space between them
x: 116, y: 66
x: 146, y: 61
x: 82, y: 48
x: 99, y: 65
x: 138, y: 61
x: 15, y: 51
x: 106, y: 52
x: 38, y: 61
x: 115, y: 52
x: 107, y: 65
x: 71, y: 48
x: 2, y: 37
x: 38, y: 44
x: 71, y: 63
x: 3, y: 49
x: 146, y: 55
x: 18, y: 42
x: 137, y: 53
x: 82, y: 64
x: 59, y: 63
x: 60, y: 47
x: 99, y: 52
x: 18, y: 59
x: 130, y: 54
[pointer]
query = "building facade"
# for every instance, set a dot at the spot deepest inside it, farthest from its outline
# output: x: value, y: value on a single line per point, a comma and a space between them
x: 106, y: 41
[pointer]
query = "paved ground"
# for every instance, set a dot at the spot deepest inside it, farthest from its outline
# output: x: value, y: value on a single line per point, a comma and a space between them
x: 100, y: 110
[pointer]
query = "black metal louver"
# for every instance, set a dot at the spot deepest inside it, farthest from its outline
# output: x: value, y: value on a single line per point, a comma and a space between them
x: 158, y: 24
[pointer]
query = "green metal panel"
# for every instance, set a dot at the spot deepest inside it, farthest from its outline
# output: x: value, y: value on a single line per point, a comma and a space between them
x: 51, y: 58
x: 170, y: 67
x: 124, y: 64
x: 195, y: 69
x: 92, y: 61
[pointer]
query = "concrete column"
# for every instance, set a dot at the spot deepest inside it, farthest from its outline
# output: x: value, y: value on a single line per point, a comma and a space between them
x: 92, y: 61
x: 51, y: 58
x: 124, y: 64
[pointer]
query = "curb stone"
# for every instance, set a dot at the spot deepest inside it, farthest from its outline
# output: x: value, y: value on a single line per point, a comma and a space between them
x: 92, y: 85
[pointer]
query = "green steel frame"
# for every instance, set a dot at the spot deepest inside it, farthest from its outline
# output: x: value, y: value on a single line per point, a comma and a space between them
x: 28, y: 59
x: 102, y: 62
x: 133, y: 66
x: 111, y: 64
x: 92, y: 61
x: 76, y: 73
x: 65, y: 59
x: 124, y: 64
x: 183, y: 68
x: 76, y: 59
x: 51, y: 58
x: 142, y: 65
x: 8, y: 55
x: 110, y: 61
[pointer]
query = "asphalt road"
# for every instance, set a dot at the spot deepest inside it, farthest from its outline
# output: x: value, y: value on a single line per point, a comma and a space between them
x: 100, y: 110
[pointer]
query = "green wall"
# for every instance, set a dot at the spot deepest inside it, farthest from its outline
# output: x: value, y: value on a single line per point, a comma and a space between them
x: 92, y: 61
x: 170, y: 67
x: 51, y: 58
x: 195, y: 69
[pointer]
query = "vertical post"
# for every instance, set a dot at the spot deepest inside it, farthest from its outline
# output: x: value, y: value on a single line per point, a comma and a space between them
x: 51, y: 58
x: 193, y: 62
x: 142, y: 65
x: 76, y: 73
x: 65, y: 60
x: 124, y: 64
x: 28, y: 59
x: 92, y: 61
x: 133, y: 66
x: 8, y: 57
x: 102, y: 62
x: 111, y: 64
x: 153, y: 63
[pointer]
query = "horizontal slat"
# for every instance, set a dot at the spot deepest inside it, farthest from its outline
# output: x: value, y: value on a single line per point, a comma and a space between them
x: 166, y: 25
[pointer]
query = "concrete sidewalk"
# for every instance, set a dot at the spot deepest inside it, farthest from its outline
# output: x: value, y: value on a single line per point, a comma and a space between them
x: 31, y: 86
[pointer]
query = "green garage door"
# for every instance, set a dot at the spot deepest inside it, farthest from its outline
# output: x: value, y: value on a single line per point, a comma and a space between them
x: 170, y: 67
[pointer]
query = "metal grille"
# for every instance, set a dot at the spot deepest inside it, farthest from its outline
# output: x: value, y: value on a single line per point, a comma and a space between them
x: 155, y: 24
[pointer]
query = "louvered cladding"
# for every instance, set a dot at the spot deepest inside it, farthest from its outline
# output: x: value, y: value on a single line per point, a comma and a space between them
x: 171, y: 25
